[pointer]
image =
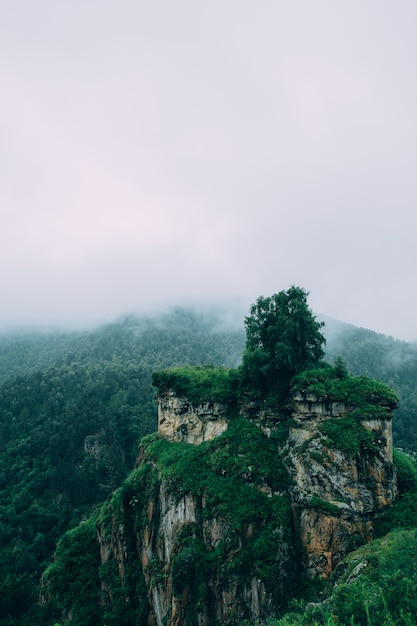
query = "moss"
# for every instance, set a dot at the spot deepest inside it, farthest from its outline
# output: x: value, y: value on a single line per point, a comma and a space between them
x: 199, y: 384
x: 236, y: 479
x: 365, y: 399
x: 192, y: 565
x: 348, y: 435
x: 358, y: 392
x: 318, y: 503
x: 232, y: 479
x: 243, y: 453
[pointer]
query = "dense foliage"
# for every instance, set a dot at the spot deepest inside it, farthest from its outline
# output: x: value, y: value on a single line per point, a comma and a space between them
x: 71, y: 415
x: 376, y: 584
x: 224, y: 475
x: 74, y: 574
x: 282, y: 338
x: 73, y: 407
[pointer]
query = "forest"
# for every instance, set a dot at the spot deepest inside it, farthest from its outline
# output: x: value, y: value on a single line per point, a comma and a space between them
x: 75, y: 405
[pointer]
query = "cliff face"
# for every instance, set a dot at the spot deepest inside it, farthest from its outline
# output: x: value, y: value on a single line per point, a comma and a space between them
x: 211, y: 541
x: 337, y: 493
x: 211, y: 533
x: 186, y: 582
x: 179, y: 420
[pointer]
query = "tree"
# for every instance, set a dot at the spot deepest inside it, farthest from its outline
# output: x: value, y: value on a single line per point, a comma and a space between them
x: 282, y: 338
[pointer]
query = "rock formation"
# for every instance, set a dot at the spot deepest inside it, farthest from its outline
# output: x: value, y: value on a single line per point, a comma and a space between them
x: 179, y: 420
x: 204, y: 561
x: 336, y: 494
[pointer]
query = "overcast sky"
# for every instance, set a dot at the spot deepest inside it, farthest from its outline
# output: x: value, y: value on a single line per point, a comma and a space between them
x: 165, y: 152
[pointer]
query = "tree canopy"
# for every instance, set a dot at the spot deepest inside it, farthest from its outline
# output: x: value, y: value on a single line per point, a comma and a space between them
x: 282, y: 338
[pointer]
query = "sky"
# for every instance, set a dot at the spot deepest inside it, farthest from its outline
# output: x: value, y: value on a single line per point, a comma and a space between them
x: 177, y: 152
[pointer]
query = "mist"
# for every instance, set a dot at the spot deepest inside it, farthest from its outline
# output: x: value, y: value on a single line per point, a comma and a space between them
x: 165, y: 154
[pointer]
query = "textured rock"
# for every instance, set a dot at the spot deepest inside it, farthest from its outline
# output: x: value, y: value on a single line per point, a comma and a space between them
x: 336, y: 495
x: 179, y: 420
x: 176, y: 536
x: 232, y: 594
x: 309, y: 407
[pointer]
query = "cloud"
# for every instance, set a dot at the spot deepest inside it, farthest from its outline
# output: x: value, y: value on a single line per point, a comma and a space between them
x: 160, y: 153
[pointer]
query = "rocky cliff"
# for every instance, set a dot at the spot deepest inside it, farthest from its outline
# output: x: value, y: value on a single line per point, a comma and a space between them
x: 340, y: 483
x: 228, y: 511
x: 233, y: 503
x: 210, y: 529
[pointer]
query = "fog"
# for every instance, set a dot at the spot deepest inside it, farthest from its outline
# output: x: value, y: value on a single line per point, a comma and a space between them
x: 158, y: 154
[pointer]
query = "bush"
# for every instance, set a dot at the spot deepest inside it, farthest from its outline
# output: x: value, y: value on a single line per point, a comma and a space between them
x: 347, y: 435
x: 72, y: 580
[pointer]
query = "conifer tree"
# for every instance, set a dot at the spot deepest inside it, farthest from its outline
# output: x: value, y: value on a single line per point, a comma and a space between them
x: 282, y: 338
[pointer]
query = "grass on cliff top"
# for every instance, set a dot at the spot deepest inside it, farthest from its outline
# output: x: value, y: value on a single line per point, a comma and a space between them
x: 199, y: 384
x: 330, y: 383
x: 218, y: 384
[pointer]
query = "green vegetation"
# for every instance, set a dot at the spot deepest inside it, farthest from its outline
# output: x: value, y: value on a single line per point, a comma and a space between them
x: 403, y: 513
x: 199, y: 384
x: 230, y: 479
x: 368, y: 399
x: 73, y: 407
x: 368, y: 395
x: 74, y: 575
x: 347, y: 435
x: 384, y: 358
x: 376, y: 584
x: 242, y: 453
x: 318, y: 503
x: 282, y: 338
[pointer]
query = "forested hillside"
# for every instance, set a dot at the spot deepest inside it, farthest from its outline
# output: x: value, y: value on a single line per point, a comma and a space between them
x: 72, y: 411
x: 73, y: 407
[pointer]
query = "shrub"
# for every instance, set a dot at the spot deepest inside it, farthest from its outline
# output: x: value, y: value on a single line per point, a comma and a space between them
x: 347, y: 435
x: 73, y: 577
x: 403, y: 512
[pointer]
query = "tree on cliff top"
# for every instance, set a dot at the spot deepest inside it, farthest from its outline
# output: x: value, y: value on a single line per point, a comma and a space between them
x: 282, y: 338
